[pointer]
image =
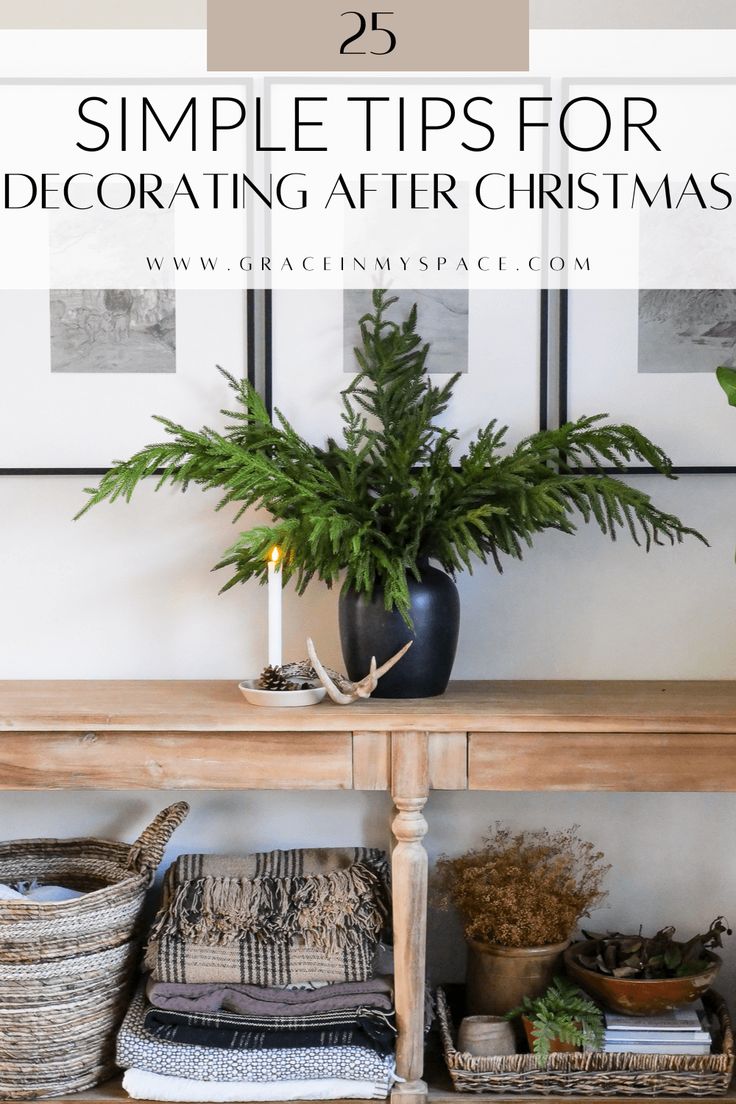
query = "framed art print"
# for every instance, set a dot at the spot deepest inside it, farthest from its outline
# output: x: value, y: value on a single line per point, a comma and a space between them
x: 645, y: 353
x: 85, y: 366
x: 84, y: 371
x: 648, y: 357
x: 496, y: 340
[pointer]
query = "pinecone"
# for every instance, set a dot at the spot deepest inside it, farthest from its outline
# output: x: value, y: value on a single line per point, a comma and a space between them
x: 273, y: 678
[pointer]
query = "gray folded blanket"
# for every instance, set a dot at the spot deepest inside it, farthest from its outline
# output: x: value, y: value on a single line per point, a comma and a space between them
x: 255, y: 1000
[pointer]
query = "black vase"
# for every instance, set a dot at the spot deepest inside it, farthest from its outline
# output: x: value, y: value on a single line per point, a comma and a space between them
x: 367, y: 629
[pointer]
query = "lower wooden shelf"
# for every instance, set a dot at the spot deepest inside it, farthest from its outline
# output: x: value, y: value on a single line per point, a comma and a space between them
x: 443, y: 1096
x: 440, y: 1092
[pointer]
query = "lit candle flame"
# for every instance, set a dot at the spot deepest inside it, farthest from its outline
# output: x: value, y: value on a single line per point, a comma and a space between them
x: 275, y: 554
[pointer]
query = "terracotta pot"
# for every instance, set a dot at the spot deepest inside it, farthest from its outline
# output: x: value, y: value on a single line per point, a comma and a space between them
x: 498, y: 978
x: 556, y: 1046
x: 639, y: 996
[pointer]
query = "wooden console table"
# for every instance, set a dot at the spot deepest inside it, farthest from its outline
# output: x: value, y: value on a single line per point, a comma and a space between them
x: 672, y: 736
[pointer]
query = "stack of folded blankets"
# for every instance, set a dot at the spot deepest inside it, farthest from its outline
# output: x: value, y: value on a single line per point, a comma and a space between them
x: 262, y: 983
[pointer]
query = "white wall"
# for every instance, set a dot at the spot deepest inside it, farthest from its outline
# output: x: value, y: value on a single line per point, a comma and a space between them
x: 127, y: 593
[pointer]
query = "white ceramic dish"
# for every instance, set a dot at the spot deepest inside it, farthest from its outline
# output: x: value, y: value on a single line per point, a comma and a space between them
x: 281, y: 698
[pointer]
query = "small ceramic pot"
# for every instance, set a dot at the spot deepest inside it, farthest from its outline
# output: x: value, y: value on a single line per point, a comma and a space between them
x: 498, y: 978
x: 486, y: 1036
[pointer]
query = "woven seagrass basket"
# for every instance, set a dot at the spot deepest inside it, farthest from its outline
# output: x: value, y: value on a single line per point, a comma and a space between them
x: 595, y: 1074
x: 66, y: 969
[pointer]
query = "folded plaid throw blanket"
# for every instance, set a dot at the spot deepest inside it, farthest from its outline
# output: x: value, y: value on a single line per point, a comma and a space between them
x: 361, y: 1027
x: 255, y: 1000
x: 275, y: 918
x: 138, y: 1049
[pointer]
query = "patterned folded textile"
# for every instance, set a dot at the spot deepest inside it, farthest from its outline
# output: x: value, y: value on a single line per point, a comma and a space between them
x: 275, y: 918
x: 255, y: 1000
x: 138, y: 1049
x: 142, y: 1085
x: 360, y: 1027
x: 255, y: 962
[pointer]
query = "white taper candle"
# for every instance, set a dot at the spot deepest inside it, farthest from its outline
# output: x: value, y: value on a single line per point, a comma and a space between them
x: 274, y: 607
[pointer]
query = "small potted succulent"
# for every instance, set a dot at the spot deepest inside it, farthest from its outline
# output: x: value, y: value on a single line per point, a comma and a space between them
x: 643, y: 975
x: 520, y: 896
x: 562, y: 1020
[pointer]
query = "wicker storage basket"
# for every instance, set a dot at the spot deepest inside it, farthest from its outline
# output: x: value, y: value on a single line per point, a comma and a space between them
x: 66, y: 969
x: 595, y: 1074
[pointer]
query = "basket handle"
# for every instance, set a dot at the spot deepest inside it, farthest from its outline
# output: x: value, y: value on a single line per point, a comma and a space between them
x: 148, y: 850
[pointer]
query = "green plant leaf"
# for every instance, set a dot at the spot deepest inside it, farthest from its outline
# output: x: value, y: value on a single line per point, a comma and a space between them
x: 727, y: 379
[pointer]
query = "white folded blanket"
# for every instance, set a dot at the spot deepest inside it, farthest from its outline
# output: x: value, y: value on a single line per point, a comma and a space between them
x: 142, y: 1085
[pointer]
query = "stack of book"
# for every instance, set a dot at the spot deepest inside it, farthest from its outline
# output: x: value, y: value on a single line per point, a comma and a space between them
x: 684, y: 1031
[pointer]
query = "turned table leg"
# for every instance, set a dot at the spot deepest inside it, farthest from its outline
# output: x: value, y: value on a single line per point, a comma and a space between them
x: 409, y: 787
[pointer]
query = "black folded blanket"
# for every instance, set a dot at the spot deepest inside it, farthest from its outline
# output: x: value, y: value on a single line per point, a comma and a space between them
x: 362, y: 1027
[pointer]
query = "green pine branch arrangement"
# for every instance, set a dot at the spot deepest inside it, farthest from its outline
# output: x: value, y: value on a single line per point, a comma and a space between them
x: 388, y: 495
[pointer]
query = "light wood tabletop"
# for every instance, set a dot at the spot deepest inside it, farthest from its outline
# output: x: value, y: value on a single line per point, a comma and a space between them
x: 505, y: 706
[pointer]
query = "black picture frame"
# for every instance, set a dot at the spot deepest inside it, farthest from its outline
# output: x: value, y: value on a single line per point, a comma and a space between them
x: 253, y: 298
x: 545, y: 319
x: 565, y: 413
x: 563, y: 321
x: 251, y: 331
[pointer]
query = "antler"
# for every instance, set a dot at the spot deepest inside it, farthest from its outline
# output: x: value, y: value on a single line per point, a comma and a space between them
x: 353, y: 690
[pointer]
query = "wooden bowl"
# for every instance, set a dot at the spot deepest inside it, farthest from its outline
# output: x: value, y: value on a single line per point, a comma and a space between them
x: 639, y: 996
